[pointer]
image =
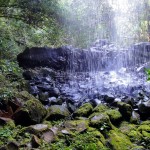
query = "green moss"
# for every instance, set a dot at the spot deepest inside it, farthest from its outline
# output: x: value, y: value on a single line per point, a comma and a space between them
x: 101, y: 108
x: 24, y: 96
x: 146, y: 134
x: 84, y: 111
x: 36, y: 110
x: 114, y: 115
x: 119, y: 141
x: 138, y: 148
x: 57, y: 112
x: 135, y: 136
x: 144, y: 128
x: 77, y: 126
x: 147, y: 122
x: 98, y: 135
x: 125, y: 109
x: 126, y: 127
x: 100, y: 121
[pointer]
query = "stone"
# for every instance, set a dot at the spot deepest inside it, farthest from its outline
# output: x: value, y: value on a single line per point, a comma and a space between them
x: 54, y: 92
x: 28, y: 75
x: 13, y: 146
x: 100, y: 120
x: 144, y: 107
x: 34, y: 90
x: 56, y: 112
x: 109, y: 98
x: 48, y: 136
x: 125, y: 109
x: 135, y: 118
x: 100, y: 108
x: 78, y: 126
x: 55, y: 101
x: 114, y: 115
x: 84, y: 111
x: 119, y: 141
x: 32, y: 112
x: 43, y: 97
x: 35, y: 141
x: 38, y: 128
x: 24, y: 96
x: 4, y: 120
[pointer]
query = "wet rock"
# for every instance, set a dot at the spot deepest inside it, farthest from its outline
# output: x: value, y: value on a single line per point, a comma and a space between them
x: 37, y: 128
x: 95, y: 102
x: 34, y: 90
x: 76, y: 125
x: 84, y: 111
x: 35, y: 141
x: 144, y: 107
x: 43, y: 97
x: 54, y: 92
x: 32, y: 112
x: 55, y: 101
x: 135, y: 118
x: 100, y: 120
x: 125, y: 109
x: 109, y: 98
x: 28, y: 75
x: 65, y: 132
x: 44, y: 87
x: 114, y: 115
x: 4, y: 120
x: 100, y: 108
x: 24, y: 96
x: 13, y: 146
x: 48, y: 136
x: 119, y: 141
x: 56, y: 112
x: 128, y: 100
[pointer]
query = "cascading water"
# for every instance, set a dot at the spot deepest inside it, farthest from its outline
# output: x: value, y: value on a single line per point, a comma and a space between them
x: 104, y: 68
x: 117, y: 69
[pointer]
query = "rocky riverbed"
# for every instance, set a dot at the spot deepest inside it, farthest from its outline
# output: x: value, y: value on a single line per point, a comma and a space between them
x: 58, y: 109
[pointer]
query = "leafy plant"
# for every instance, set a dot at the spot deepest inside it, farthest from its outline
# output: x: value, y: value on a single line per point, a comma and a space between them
x: 148, y: 74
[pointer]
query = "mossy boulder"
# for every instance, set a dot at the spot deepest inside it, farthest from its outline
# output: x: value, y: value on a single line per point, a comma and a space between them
x: 101, y: 121
x: 84, y: 111
x: 114, y: 115
x: 56, y: 112
x: 94, y: 132
x: 135, y: 118
x: 101, y: 108
x: 32, y: 112
x: 78, y: 126
x: 119, y: 141
x: 135, y: 136
x: 126, y: 127
x: 144, y: 127
x: 24, y: 96
x: 125, y: 110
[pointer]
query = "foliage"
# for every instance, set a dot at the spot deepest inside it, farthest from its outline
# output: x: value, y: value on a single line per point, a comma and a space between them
x: 148, y: 74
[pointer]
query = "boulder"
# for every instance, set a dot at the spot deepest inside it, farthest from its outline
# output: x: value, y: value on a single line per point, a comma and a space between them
x: 144, y: 107
x: 56, y: 112
x: 84, y: 111
x: 125, y: 109
x: 100, y: 108
x: 78, y: 126
x: 32, y: 112
x: 119, y: 141
x: 114, y: 115
x: 100, y: 120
